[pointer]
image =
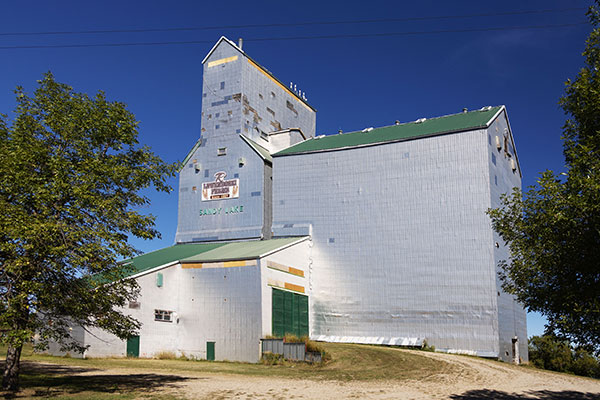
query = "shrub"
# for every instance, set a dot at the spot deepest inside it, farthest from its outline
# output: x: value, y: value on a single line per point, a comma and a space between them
x: 269, y: 358
x: 427, y: 347
x: 165, y: 355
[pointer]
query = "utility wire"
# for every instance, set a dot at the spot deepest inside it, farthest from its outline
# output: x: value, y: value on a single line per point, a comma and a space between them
x: 363, y: 21
x: 264, y: 39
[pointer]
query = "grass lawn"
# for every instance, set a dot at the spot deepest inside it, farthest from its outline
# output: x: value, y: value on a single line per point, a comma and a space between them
x: 56, y: 377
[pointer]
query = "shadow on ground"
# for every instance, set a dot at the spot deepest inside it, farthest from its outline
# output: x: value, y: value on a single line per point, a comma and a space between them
x: 485, y: 394
x: 47, y: 380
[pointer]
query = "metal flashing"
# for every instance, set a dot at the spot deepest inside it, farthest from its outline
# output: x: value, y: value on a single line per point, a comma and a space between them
x: 261, y: 151
x: 189, y: 155
x: 221, y: 39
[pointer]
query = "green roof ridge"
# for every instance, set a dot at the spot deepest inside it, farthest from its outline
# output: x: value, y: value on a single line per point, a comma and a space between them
x: 421, y: 128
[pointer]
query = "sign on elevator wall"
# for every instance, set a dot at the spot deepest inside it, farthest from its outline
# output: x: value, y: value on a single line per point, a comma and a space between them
x: 220, y: 188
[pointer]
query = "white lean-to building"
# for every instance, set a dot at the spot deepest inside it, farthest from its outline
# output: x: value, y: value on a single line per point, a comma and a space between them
x: 376, y: 236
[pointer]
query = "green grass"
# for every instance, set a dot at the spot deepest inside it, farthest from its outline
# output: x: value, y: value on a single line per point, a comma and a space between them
x: 56, y: 376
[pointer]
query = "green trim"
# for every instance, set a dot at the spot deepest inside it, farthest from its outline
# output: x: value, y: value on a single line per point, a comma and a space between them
x: 189, y: 155
x: 455, y: 123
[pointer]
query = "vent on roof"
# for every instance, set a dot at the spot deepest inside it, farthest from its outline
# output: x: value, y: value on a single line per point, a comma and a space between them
x: 369, y: 129
x: 397, y: 122
x: 486, y: 108
x: 465, y: 109
x: 420, y: 120
x: 319, y: 137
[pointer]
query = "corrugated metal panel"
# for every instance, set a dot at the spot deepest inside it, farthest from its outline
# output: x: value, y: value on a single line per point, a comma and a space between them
x: 412, y: 253
x: 242, y: 250
x: 451, y: 123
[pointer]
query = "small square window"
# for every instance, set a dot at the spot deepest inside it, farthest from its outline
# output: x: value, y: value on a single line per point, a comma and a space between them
x: 163, y: 315
x: 222, y: 151
x: 206, y: 173
x: 217, y: 126
x: 217, y: 115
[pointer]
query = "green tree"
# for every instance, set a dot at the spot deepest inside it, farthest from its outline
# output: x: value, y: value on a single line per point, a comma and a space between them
x: 71, y: 171
x: 553, y: 229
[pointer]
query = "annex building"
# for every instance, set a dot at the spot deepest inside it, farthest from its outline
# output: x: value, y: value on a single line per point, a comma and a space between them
x: 377, y: 236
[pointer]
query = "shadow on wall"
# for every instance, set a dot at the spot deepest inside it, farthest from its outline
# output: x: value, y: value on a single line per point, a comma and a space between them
x: 49, y: 380
x: 539, y: 394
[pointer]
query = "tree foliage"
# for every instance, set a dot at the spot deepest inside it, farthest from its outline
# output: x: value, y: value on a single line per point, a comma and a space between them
x: 71, y: 171
x: 549, y: 352
x: 553, y: 229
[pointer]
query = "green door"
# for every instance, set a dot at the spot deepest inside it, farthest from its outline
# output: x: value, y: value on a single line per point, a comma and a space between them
x: 289, y: 313
x: 133, y: 346
x: 210, y: 351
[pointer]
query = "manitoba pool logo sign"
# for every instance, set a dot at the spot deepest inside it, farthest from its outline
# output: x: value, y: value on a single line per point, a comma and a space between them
x: 221, y: 188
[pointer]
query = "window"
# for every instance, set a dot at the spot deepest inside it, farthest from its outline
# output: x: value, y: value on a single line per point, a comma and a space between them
x: 494, y: 158
x: 134, y: 304
x: 222, y: 151
x: 163, y: 315
x: 222, y: 85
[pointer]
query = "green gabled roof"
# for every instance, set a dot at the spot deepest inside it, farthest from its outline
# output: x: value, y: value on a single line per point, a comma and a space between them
x: 261, y: 151
x: 242, y: 250
x: 168, y: 255
x: 429, y: 127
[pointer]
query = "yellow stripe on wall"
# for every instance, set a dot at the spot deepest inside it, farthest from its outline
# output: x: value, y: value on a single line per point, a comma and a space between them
x: 191, y: 265
x: 286, y: 285
x: 226, y: 264
x: 285, y: 268
x: 296, y: 288
x: 222, y: 61
x: 275, y: 81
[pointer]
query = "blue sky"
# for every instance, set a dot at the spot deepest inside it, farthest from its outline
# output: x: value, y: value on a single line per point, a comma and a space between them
x: 353, y: 82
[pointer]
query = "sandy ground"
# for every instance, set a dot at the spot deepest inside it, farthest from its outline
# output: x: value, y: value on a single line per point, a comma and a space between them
x: 476, y: 379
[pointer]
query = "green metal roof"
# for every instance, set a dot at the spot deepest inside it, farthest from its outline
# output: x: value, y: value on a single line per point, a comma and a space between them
x: 428, y: 127
x: 168, y: 255
x: 264, y: 153
x: 203, y: 252
x: 242, y: 250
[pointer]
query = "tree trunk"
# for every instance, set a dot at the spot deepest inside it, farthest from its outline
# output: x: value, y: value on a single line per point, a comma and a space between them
x: 10, y: 379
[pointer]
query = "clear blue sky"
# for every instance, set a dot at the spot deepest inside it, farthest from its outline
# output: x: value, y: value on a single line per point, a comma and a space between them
x: 353, y: 82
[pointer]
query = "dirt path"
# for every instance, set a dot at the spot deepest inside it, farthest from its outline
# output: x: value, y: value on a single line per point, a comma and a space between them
x: 470, y: 379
